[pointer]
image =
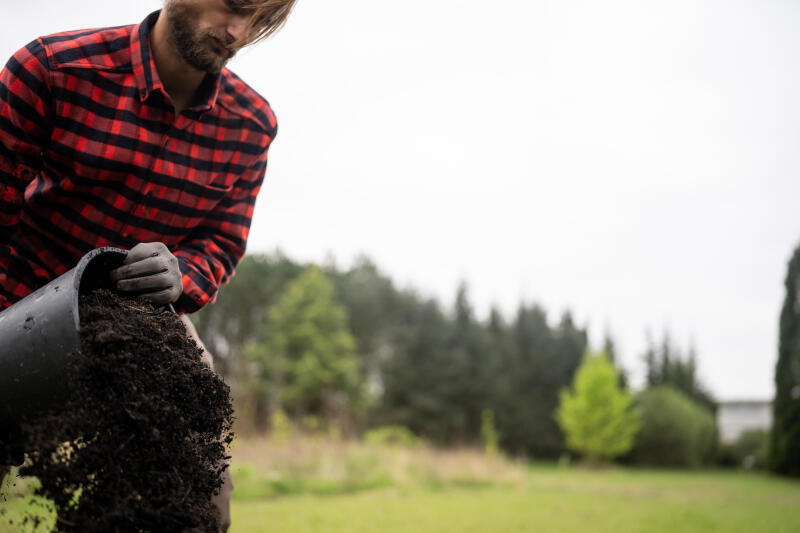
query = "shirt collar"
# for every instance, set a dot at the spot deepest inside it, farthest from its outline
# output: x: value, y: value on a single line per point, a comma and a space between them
x: 146, y: 74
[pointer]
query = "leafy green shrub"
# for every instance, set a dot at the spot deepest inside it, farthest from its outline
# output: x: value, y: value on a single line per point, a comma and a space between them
x: 675, y: 430
x: 399, y: 436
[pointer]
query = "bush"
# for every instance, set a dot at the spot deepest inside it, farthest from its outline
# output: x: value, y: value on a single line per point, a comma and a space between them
x: 399, y: 436
x: 750, y: 451
x: 675, y: 430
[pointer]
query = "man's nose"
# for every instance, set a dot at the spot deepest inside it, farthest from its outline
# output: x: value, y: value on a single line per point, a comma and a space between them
x: 237, y: 26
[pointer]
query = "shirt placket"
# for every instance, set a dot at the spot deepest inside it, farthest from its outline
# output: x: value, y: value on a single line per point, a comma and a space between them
x: 167, y: 149
x: 160, y: 162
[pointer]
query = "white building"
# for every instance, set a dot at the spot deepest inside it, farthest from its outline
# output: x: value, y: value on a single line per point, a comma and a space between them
x: 734, y: 418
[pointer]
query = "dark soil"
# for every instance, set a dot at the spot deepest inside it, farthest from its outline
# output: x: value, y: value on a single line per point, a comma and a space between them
x: 141, y: 444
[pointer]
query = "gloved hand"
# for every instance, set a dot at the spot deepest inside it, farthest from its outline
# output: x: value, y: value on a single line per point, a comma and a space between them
x: 151, y: 272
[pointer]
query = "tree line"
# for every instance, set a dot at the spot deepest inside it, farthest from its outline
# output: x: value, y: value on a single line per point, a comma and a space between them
x: 348, y: 347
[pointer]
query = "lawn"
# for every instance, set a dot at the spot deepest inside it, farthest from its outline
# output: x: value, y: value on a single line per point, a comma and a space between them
x: 562, y: 500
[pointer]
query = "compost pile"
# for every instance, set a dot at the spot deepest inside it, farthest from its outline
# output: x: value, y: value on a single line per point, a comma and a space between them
x: 141, y: 445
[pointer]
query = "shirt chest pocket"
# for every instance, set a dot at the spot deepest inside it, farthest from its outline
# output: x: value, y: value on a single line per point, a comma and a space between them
x: 200, y: 194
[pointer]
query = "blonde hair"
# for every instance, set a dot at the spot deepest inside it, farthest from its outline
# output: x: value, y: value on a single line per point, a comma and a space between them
x: 266, y: 17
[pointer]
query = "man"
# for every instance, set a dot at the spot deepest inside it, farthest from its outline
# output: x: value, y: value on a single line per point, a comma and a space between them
x: 136, y: 137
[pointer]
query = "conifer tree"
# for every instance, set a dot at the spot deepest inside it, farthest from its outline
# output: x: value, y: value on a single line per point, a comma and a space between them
x: 611, y: 352
x: 666, y: 365
x: 785, y: 437
x: 306, y: 355
x: 597, y: 415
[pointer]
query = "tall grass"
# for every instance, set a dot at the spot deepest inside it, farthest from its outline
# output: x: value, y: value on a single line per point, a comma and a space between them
x: 267, y: 466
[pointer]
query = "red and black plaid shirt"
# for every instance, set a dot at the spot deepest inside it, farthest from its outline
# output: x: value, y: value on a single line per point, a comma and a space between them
x: 92, y: 154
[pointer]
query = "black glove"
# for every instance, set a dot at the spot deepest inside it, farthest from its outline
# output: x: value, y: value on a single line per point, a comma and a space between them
x: 151, y: 272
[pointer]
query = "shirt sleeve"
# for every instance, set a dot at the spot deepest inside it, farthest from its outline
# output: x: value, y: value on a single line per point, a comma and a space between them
x: 25, y: 126
x: 209, y: 256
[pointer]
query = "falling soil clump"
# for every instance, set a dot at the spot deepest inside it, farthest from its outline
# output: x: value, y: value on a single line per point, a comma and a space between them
x: 141, y: 443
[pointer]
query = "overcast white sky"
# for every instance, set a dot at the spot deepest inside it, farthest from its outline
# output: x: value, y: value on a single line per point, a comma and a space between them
x: 635, y: 162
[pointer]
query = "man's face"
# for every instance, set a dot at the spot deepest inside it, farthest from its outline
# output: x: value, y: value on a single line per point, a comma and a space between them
x: 203, y: 31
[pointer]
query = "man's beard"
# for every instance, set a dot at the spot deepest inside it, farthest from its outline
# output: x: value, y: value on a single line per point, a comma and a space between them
x: 194, y: 45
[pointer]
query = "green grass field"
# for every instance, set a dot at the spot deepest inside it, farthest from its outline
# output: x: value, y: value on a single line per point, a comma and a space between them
x: 314, y: 485
x: 571, y: 500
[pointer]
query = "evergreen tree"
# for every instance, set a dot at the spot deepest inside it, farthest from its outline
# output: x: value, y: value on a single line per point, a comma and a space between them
x: 653, y: 372
x: 784, y: 455
x: 522, y: 419
x: 666, y: 365
x: 472, y: 364
x: 611, y: 352
x: 372, y: 303
x: 418, y: 389
x: 597, y: 415
x: 438, y: 378
x: 241, y: 308
x: 543, y: 361
x: 501, y: 346
x: 305, y: 355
